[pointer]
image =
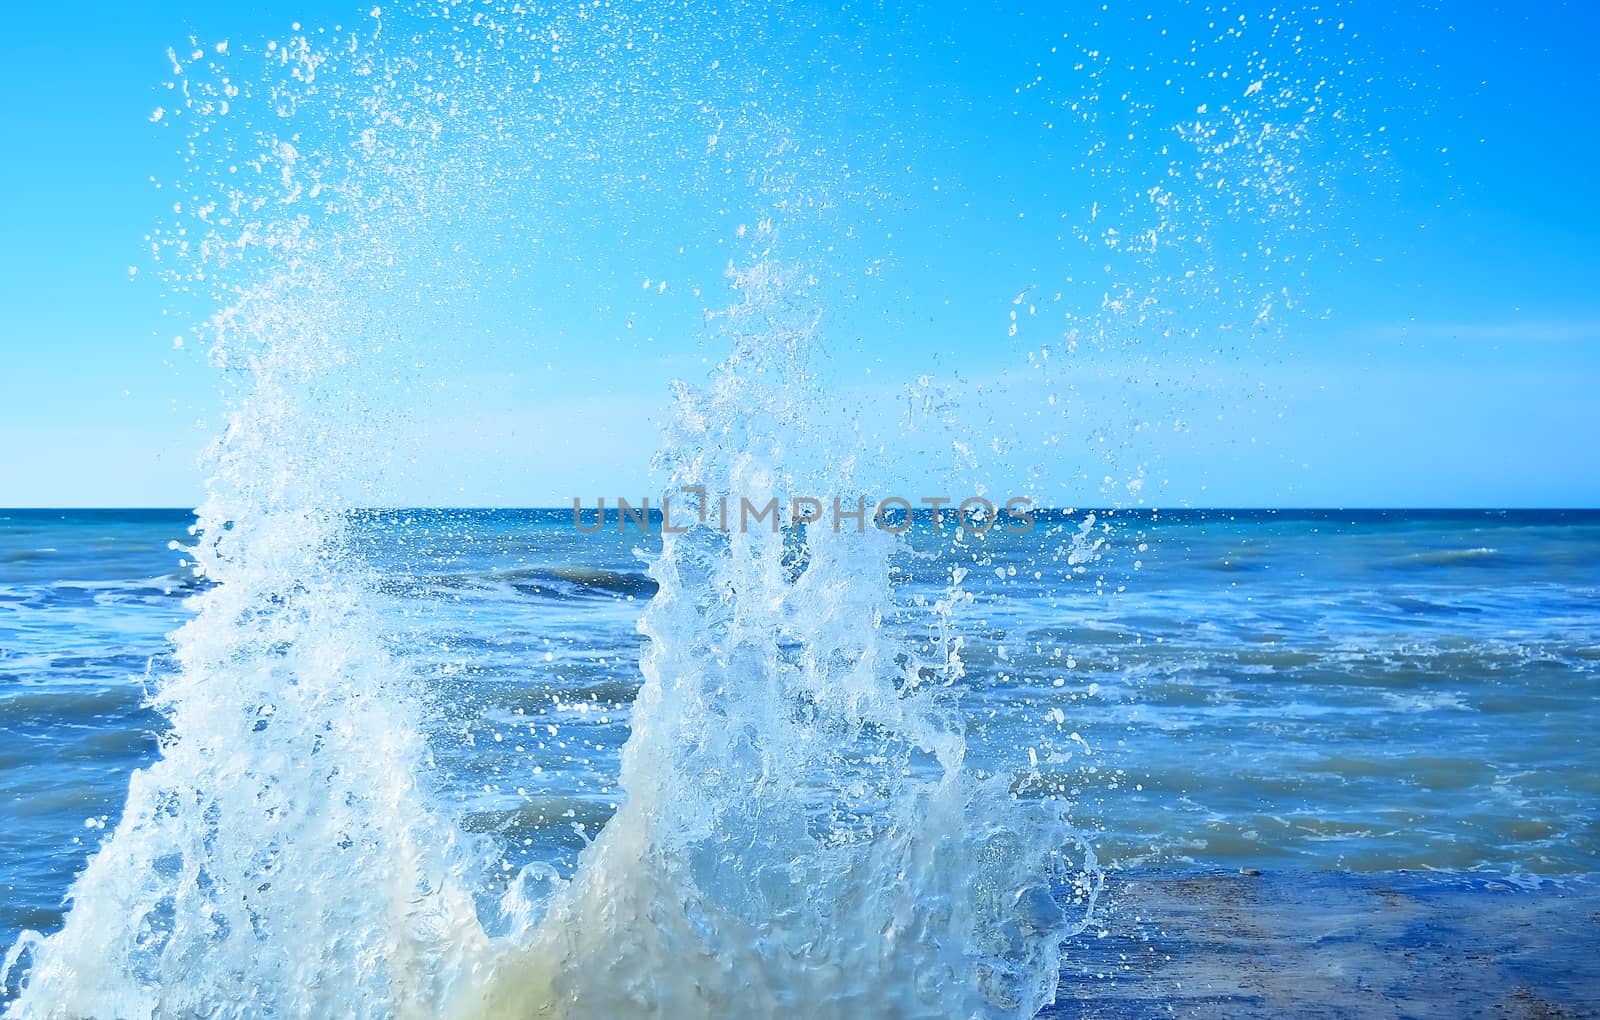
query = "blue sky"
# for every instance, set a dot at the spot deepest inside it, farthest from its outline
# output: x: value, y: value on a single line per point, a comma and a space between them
x: 1431, y: 224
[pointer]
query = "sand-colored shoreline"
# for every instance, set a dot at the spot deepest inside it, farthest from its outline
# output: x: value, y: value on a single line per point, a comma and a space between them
x: 1337, y: 946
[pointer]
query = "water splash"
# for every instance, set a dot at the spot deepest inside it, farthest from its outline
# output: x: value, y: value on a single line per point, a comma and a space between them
x: 282, y: 851
x: 801, y: 829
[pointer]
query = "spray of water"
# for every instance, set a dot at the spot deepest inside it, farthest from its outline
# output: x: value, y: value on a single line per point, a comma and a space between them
x: 281, y: 855
x: 801, y: 831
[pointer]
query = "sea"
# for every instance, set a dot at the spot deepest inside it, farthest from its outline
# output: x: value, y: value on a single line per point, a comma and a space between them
x: 1316, y: 690
x: 298, y: 752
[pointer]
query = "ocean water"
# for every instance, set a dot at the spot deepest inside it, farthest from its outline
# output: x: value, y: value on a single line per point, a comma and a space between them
x: 1354, y: 690
x: 287, y: 757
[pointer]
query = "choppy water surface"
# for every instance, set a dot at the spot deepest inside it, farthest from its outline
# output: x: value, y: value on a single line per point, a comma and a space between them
x: 298, y: 758
x: 1360, y: 690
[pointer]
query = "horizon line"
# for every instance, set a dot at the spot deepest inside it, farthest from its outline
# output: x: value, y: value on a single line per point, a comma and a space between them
x: 1084, y: 508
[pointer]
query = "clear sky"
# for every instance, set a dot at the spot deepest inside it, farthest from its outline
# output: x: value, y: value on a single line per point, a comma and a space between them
x: 1373, y: 283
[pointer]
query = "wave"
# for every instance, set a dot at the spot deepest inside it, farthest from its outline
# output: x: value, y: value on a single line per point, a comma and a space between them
x: 1453, y: 557
x: 801, y: 830
x: 539, y: 582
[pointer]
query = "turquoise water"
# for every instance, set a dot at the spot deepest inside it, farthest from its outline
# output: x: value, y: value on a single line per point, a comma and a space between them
x: 1361, y: 690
